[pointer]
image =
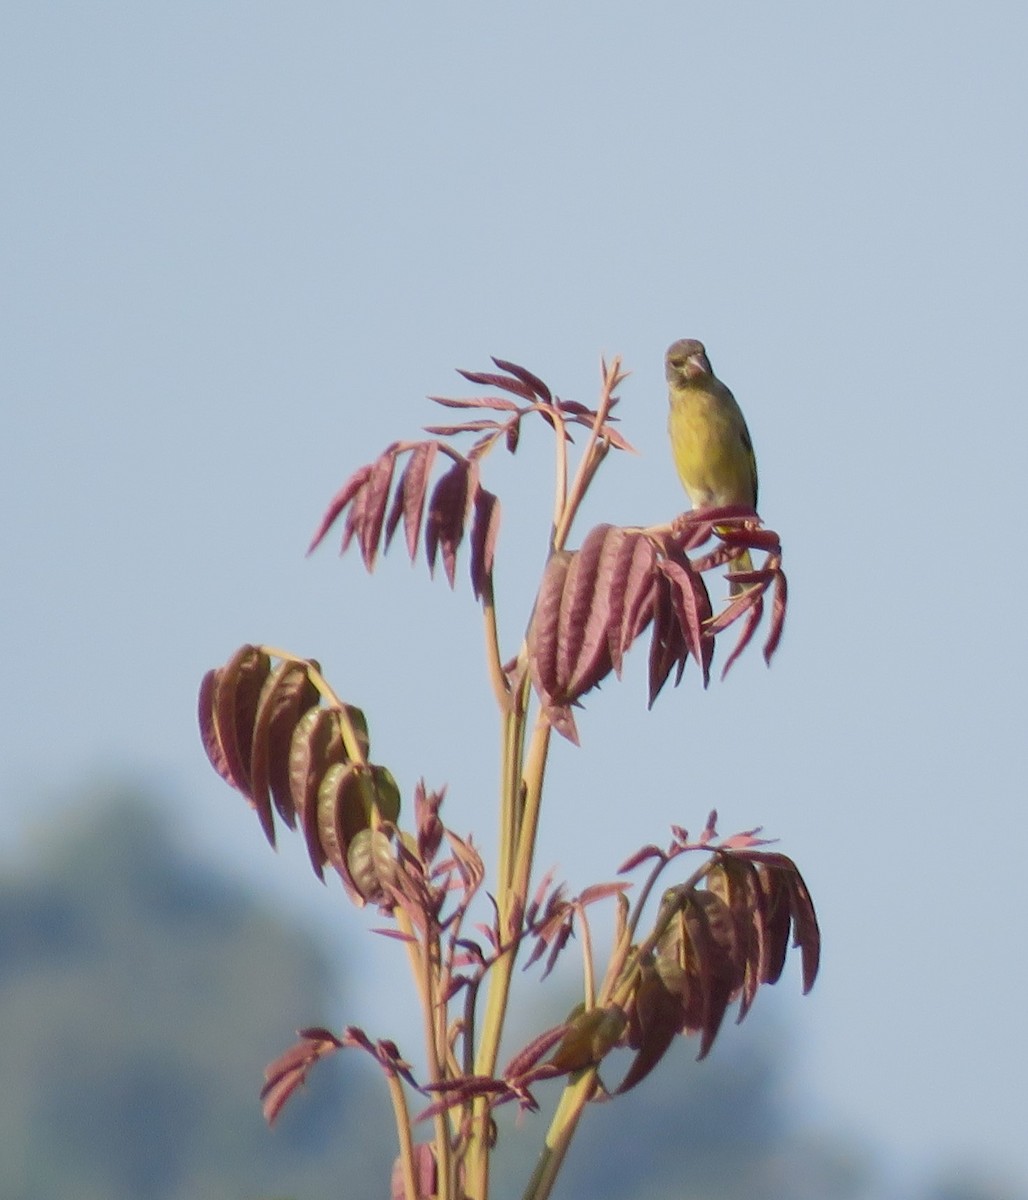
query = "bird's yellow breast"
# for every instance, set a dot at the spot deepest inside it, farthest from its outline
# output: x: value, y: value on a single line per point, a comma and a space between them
x: 711, y: 446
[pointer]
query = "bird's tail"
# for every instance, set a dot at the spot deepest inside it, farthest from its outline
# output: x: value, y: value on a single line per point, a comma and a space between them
x: 742, y: 562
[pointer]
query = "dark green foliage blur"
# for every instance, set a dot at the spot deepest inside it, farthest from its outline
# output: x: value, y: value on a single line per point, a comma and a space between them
x: 141, y: 996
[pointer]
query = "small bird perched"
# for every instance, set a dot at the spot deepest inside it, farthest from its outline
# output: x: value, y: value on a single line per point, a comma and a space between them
x: 709, y: 439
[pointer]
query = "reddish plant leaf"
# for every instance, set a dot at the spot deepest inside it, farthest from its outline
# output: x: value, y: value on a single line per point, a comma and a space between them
x: 287, y: 694
x: 425, y: 1175
x: 753, y: 539
x: 498, y: 403
x: 653, y: 1021
x: 668, y: 647
x: 639, y: 857
x: 616, y: 439
x: 806, y: 934
x: 515, y: 385
x: 372, y: 866
x: 586, y: 615
x: 427, y: 820
x: 776, y: 918
x: 749, y: 628
x: 409, y: 500
x: 335, y: 794
x: 527, y: 1057
x: 208, y: 729
x: 544, y: 626
x: 730, y: 879
x: 447, y: 514
x: 600, y: 891
x: 562, y: 719
x: 691, y: 605
x: 485, y: 529
x: 720, y: 965
x: 533, y: 381
x: 236, y: 696
x: 339, y: 502
x: 631, y: 593
x: 778, y: 605
x: 290, y: 1070
x: 316, y: 745
x: 463, y: 427
x: 369, y: 506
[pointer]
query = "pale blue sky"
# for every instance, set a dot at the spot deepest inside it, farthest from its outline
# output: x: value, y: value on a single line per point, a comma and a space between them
x: 240, y: 243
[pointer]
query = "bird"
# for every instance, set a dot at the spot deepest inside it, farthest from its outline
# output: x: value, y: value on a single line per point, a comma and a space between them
x: 710, y: 443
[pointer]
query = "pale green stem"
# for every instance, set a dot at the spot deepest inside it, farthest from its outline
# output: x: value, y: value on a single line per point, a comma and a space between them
x: 402, y: 1118
x: 573, y: 1100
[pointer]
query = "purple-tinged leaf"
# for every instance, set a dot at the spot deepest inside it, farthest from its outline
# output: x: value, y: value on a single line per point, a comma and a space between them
x: 447, y: 514
x: 485, y: 530
x: 397, y: 935
x: 316, y: 745
x: 691, y: 605
x: 370, y: 505
x: 339, y: 501
x: 533, y: 381
x: 208, y: 728
x: 564, y: 932
x: 668, y: 647
x: 410, y: 495
x: 287, y: 694
x: 710, y: 829
x: 749, y: 628
x: 527, y: 1057
x: 338, y: 796
x: 236, y: 695
x: 617, y: 440
x: 730, y: 880
x: 498, y: 403
x: 544, y: 627
x: 584, y: 657
x: 427, y: 820
x: 514, y: 385
x: 765, y: 540
x: 778, y: 606
x: 463, y: 427
x: 806, y: 934
x: 776, y: 918
x: 371, y: 865
x: 573, y: 408
x: 425, y: 1175
x: 639, y: 857
x: 562, y: 719
x: 631, y: 592
x: 290, y: 1070
x: 653, y: 1019
x: 600, y: 891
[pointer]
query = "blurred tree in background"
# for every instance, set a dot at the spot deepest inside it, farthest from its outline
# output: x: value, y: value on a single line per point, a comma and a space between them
x: 139, y: 988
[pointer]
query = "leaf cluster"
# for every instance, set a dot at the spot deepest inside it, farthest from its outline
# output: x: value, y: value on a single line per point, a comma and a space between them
x: 276, y: 731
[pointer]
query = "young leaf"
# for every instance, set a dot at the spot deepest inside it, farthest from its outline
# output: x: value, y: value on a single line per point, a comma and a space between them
x: 534, y: 383
x: 485, y: 529
x: 543, y: 632
x: 287, y: 694
x: 447, y: 514
x: 339, y: 502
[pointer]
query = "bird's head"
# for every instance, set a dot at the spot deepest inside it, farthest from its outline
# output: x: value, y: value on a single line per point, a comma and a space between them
x: 686, y: 360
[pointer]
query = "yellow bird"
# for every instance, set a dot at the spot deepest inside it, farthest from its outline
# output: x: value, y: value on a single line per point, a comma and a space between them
x: 709, y: 439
